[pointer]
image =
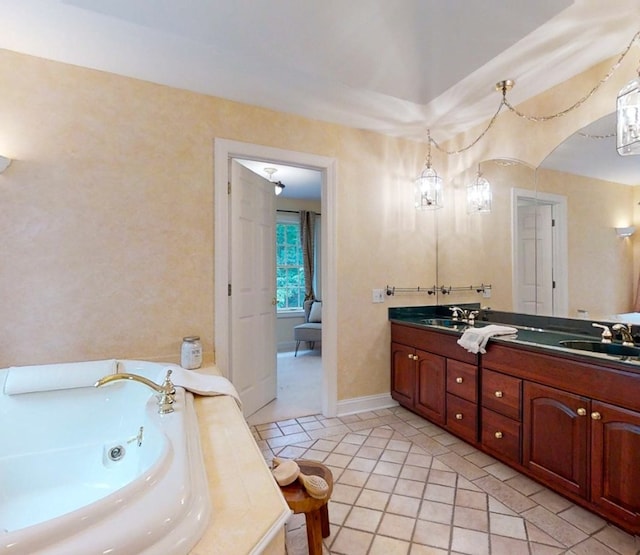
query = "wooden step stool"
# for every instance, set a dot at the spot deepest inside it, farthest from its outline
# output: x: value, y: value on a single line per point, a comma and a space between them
x: 316, y: 511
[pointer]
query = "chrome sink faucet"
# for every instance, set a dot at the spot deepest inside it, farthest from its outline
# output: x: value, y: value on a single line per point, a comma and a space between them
x: 464, y: 315
x: 606, y: 335
x: 625, y: 332
x: 166, y: 392
x: 459, y: 313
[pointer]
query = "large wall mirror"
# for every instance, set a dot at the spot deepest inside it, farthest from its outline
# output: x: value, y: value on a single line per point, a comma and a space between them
x: 601, y: 191
x: 549, y: 246
x: 475, y: 248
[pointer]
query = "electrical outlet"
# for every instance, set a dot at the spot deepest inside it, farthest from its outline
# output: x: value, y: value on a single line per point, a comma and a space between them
x: 378, y: 296
x: 486, y: 293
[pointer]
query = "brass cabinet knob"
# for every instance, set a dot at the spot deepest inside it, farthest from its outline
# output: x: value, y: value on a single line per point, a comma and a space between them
x: 415, y: 357
x: 458, y: 416
x: 459, y: 380
x: 410, y: 356
x: 581, y: 411
x: 498, y: 435
x: 596, y: 416
x: 498, y: 394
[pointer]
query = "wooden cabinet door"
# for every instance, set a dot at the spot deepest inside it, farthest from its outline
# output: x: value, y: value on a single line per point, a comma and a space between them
x: 556, y: 437
x: 615, y: 461
x: 430, y: 386
x: 403, y: 372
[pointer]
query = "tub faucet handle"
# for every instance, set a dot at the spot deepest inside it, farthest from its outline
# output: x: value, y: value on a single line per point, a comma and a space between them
x: 167, y: 395
x: 606, y: 333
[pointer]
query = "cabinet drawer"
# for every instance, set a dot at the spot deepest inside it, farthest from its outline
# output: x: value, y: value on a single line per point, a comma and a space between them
x: 462, y: 417
x: 462, y: 380
x: 502, y: 393
x: 501, y: 435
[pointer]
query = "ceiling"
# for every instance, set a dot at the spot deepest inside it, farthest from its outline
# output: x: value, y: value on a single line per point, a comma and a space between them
x: 395, y: 67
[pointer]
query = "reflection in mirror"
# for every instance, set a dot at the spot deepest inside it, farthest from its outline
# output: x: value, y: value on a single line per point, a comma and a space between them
x: 602, y: 193
x: 476, y: 248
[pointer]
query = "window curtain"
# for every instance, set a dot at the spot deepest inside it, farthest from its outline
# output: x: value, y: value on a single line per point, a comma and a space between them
x: 307, y: 225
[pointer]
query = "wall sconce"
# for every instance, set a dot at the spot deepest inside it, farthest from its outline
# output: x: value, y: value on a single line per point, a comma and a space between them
x: 479, y: 195
x: 428, y: 186
x: 278, y: 185
x: 628, y: 118
x: 625, y: 231
x: 4, y: 163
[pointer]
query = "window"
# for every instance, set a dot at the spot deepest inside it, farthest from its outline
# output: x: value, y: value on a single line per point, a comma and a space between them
x: 290, y: 287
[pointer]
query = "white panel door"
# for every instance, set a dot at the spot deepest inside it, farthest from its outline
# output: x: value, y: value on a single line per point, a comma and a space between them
x: 535, y: 259
x: 253, y: 363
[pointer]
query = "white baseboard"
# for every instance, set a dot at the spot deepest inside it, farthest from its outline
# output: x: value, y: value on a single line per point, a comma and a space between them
x: 364, y: 404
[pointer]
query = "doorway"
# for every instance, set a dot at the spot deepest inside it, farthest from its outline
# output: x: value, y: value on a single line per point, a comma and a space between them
x: 225, y: 150
x: 298, y: 365
x: 539, y: 253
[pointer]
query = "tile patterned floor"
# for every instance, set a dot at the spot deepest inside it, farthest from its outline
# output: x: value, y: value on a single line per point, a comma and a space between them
x: 403, y: 486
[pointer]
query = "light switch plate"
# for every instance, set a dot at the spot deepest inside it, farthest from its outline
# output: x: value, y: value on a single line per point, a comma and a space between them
x: 378, y: 296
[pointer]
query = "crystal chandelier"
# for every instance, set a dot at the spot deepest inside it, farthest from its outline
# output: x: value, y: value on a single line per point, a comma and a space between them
x: 428, y: 186
x: 628, y: 118
x: 479, y: 195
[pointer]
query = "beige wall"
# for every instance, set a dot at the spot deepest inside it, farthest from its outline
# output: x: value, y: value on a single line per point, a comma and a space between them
x: 107, y: 218
x: 106, y: 215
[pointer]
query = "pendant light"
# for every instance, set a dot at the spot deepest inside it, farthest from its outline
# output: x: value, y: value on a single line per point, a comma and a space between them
x: 428, y: 186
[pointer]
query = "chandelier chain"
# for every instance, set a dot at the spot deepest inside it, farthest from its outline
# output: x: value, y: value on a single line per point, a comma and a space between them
x: 538, y: 119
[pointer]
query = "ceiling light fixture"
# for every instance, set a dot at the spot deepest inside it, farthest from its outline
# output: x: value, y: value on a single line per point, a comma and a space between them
x: 428, y: 186
x: 479, y: 195
x: 628, y: 118
x: 278, y: 185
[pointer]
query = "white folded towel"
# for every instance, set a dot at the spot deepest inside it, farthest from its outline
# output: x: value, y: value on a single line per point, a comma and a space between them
x: 474, y: 340
x: 52, y: 377
x: 201, y: 383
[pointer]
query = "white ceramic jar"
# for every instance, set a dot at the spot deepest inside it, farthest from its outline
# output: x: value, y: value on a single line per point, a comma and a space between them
x: 191, y: 352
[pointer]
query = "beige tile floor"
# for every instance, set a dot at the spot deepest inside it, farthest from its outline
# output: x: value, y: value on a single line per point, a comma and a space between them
x: 405, y: 486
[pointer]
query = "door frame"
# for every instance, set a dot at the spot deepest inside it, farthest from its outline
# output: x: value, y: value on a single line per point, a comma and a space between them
x: 559, y: 240
x: 224, y: 150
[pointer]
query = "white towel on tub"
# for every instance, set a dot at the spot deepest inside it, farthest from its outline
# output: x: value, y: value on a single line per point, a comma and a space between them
x: 202, y: 384
x: 474, y: 340
x: 52, y: 377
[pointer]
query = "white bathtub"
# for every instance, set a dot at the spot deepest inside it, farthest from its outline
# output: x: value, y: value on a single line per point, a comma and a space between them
x: 65, y: 491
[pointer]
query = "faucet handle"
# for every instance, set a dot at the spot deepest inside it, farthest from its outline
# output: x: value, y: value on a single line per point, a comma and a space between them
x: 457, y: 312
x: 167, y: 385
x: 606, y: 332
x: 472, y: 315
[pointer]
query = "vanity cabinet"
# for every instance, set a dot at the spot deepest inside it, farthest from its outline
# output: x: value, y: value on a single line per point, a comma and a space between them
x: 570, y: 423
x: 501, y: 415
x: 580, y: 429
x: 556, y: 442
x: 462, y: 399
x: 435, y: 378
x: 417, y: 381
x: 615, y: 461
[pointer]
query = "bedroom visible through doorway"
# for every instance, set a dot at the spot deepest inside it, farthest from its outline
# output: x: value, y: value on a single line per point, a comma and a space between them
x: 299, y: 378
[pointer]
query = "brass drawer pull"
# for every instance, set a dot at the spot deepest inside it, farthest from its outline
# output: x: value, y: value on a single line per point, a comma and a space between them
x: 596, y: 416
x: 582, y: 412
x: 458, y: 416
x: 498, y: 394
x: 498, y: 435
x: 459, y: 380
